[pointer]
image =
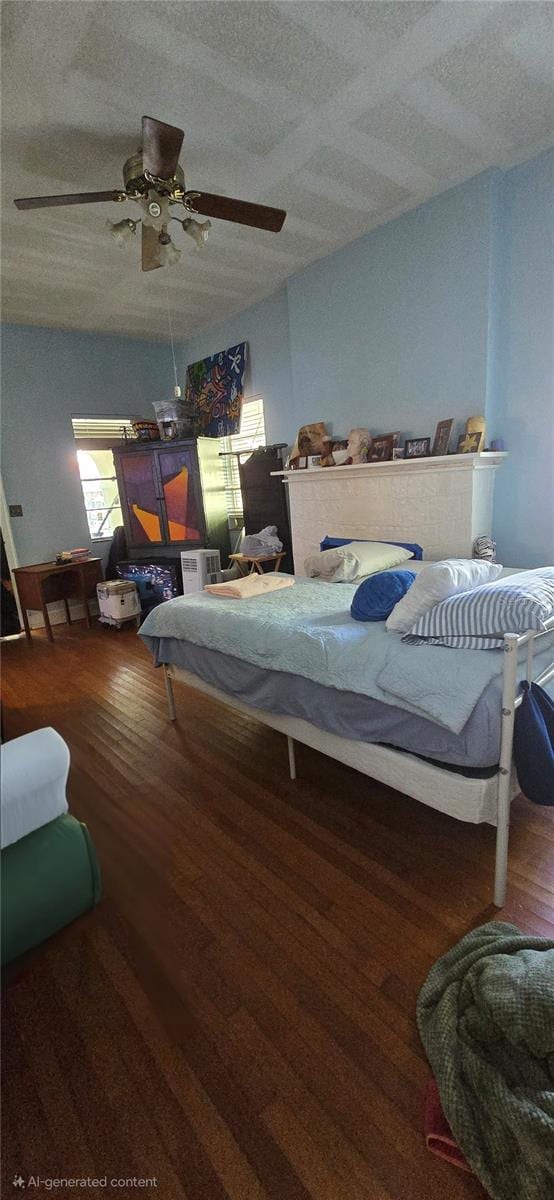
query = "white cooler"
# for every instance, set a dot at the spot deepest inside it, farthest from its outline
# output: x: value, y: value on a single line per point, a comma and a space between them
x: 118, y: 601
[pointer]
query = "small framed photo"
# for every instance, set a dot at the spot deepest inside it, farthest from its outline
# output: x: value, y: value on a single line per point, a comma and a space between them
x: 299, y: 464
x: 442, y: 437
x: 397, y: 452
x: 382, y: 448
x: 417, y: 447
x: 469, y: 443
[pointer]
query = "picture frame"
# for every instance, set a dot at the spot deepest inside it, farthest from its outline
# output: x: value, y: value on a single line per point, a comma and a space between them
x: 441, y: 440
x: 417, y: 447
x: 469, y: 443
x: 382, y: 448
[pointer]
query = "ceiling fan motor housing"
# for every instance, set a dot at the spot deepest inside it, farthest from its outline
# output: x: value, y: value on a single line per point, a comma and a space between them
x: 137, y: 184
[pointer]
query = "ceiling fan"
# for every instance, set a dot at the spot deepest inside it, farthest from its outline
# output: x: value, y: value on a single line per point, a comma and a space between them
x: 155, y: 180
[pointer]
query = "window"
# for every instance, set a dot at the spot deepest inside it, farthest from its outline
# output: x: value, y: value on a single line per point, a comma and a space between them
x: 251, y: 435
x: 95, y: 438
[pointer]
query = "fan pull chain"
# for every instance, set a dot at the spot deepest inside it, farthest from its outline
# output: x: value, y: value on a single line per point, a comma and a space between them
x: 172, y: 341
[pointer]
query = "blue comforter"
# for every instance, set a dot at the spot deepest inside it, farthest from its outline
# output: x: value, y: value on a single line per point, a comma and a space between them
x: 307, y: 630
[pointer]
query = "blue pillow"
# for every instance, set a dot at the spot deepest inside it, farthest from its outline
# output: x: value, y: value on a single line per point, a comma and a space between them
x: 378, y: 594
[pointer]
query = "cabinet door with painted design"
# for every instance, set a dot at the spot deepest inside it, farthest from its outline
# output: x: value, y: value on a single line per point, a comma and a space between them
x: 140, y: 494
x: 180, y: 484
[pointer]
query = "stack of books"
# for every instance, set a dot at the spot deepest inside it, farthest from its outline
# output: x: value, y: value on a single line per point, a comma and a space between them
x: 66, y: 556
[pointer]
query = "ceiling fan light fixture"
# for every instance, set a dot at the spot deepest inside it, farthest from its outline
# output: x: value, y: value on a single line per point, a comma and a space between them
x: 122, y: 231
x: 169, y: 252
x: 198, y: 230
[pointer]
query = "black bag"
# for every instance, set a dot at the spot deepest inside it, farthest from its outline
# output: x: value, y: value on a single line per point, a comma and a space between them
x: 534, y: 744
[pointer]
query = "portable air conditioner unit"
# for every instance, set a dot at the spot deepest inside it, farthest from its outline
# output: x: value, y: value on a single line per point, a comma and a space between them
x: 118, y: 601
x: 200, y: 567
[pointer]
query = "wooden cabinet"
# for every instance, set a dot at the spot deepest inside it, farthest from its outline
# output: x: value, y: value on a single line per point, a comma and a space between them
x: 172, y: 496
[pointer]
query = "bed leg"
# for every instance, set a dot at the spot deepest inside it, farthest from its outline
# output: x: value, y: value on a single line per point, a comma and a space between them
x: 502, y: 838
x: 292, y: 760
x: 503, y: 795
x: 170, y: 696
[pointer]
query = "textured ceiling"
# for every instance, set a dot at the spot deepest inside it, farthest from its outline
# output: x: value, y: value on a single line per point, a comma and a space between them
x: 346, y: 114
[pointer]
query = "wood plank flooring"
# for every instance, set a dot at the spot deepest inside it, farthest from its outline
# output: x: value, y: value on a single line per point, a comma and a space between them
x: 236, y: 1018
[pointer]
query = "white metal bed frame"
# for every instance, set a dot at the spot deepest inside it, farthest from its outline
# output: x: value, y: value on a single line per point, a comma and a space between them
x: 484, y: 800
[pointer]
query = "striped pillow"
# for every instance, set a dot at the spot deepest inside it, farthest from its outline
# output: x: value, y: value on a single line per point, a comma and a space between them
x: 477, y: 620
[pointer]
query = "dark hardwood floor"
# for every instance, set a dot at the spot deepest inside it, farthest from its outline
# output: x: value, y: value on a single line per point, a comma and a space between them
x: 236, y: 1018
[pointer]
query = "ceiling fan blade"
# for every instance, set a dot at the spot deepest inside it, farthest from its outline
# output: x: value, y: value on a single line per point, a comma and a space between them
x: 151, y: 249
x: 61, y: 201
x: 259, y: 216
x: 161, y: 147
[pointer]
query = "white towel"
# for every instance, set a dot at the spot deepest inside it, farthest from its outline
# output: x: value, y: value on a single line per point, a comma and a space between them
x: 250, y: 585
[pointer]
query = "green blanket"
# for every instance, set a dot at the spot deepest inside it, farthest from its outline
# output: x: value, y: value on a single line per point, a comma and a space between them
x: 486, y: 1019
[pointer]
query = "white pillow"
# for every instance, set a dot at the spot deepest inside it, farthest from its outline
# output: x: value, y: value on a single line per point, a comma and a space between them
x: 437, y: 581
x: 344, y: 564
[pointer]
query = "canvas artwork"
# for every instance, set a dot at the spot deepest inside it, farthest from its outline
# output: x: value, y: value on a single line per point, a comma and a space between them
x: 215, y: 389
x: 310, y: 441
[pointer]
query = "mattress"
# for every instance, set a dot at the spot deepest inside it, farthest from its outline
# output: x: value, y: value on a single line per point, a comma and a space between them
x: 307, y: 630
x: 346, y: 714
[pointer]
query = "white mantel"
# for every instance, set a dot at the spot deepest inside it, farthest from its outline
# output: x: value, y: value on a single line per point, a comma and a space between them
x: 442, y: 503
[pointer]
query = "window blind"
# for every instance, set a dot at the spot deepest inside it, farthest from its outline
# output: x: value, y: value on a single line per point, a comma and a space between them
x: 108, y: 428
x: 250, y: 436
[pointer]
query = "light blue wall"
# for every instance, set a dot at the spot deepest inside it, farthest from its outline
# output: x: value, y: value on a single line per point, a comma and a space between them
x: 265, y: 328
x: 391, y: 331
x: 446, y: 311
x: 521, y: 396
x: 47, y: 377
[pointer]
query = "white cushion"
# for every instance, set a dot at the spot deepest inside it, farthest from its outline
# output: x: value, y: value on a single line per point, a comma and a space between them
x: 356, y: 560
x: 34, y: 772
x: 437, y: 581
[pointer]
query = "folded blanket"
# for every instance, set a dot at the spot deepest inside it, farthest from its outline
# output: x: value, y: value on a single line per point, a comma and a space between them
x: 486, y: 1019
x: 251, y: 585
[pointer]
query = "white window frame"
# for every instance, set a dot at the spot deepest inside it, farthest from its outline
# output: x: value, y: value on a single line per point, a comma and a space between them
x: 101, y: 433
x: 250, y: 436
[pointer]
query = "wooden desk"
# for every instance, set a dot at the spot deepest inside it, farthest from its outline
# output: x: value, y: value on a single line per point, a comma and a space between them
x: 43, y: 583
x: 248, y: 564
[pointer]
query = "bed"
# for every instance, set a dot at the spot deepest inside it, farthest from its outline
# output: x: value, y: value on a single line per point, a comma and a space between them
x: 296, y: 661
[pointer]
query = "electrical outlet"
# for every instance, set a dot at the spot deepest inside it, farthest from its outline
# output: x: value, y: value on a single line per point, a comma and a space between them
x: 15, y: 510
